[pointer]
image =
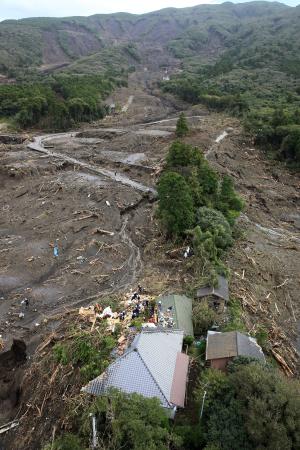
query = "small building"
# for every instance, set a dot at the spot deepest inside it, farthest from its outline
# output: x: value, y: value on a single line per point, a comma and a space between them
x: 175, y: 311
x: 223, y: 347
x: 153, y: 366
x: 217, y: 296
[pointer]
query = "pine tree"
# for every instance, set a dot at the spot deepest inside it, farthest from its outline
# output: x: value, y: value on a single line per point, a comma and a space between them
x: 175, y: 204
x: 182, y: 128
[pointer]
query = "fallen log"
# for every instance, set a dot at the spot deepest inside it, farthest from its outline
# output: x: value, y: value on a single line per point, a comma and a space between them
x: 287, y: 370
x: 101, y: 231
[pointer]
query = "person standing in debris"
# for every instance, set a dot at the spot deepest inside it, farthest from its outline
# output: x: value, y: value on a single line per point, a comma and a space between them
x: 26, y: 303
x: 55, y: 250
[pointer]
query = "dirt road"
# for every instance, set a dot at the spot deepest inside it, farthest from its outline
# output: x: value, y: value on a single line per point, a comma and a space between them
x: 38, y: 145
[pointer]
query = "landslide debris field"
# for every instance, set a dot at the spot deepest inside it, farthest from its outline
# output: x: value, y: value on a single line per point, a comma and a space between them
x: 92, y: 193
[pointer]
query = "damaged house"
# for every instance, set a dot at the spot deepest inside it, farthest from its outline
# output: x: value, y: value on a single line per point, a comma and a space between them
x: 223, y: 347
x: 217, y: 296
x: 153, y: 366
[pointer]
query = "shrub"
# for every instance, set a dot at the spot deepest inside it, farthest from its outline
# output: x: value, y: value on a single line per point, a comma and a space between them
x: 66, y: 442
x: 235, y: 313
x: 88, y: 351
x: 203, y: 317
x: 130, y: 422
x: 212, y: 221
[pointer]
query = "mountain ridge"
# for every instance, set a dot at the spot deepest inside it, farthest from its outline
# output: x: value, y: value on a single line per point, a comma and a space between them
x: 34, y: 42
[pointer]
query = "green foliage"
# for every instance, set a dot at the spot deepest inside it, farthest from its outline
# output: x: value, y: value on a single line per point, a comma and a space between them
x: 203, y: 317
x: 229, y: 203
x: 66, y: 442
x: 235, y: 314
x: 182, y: 128
x: 57, y: 102
x: 252, y: 407
x: 213, y: 222
x: 188, y: 340
x: 180, y: 155
x: 89, y: 351
x: 175, y: 204
x: 130, y: 422
x: 193, y: 201
x: 262, y: 335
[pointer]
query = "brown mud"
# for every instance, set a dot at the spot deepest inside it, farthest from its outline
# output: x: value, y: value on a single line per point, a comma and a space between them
x: 71, y: 193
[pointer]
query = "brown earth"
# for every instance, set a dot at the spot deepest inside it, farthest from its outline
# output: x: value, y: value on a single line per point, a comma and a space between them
x: 108, y: 238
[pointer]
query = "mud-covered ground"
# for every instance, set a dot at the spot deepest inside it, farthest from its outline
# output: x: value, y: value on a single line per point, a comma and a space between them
x: 76, y: 195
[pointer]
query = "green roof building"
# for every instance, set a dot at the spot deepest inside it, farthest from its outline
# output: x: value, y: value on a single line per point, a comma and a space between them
x: 175, y: 311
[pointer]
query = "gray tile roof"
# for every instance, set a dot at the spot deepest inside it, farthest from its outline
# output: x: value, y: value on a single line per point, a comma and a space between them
x: 147, y: 367
x: 182, y: 310
x: 231, y: 344
x: 221, y: 290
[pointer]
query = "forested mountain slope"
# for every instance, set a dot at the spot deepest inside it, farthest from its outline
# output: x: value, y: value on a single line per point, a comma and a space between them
x: 240, y: 58
x: 205, y: 30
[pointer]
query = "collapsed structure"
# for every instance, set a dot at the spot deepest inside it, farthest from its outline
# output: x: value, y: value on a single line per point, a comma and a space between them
x: 153, y: 366
x: 217, y: 296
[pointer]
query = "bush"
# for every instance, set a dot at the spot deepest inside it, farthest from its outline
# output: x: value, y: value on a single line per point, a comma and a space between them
x: 130, y: 422
x: 213, y: 221
x: 203, y: 317
x: 66, y: 442
x: 235, y: 313
x: 88, y: 351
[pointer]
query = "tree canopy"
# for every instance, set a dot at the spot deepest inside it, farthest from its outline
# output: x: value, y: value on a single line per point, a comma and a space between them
x: 252, y: 407
x: 176, y: 209
x: 182, y: 128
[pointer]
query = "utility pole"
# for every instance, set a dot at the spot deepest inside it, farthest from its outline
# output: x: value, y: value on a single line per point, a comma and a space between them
x: 202, y: 407
x: 94, y: 432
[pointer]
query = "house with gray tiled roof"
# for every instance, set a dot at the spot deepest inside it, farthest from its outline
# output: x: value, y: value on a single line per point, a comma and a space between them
x: 153, y: 366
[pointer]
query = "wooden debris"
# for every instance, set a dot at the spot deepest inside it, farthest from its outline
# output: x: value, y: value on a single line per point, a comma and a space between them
x: 105, y: 232
x: 287, y: 370
x: 282, y: 284
x: 42, y: 346
x: 53, y: 376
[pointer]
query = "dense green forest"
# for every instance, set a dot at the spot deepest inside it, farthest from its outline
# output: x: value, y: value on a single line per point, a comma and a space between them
x: 255, y: 77
x: 59, y: 101
x: 197, y: 204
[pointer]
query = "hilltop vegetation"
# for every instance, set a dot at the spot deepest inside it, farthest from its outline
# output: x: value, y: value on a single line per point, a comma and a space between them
x: 206, y: 31
x: 239, y: 58
x: 256, y: 76
x: 59, y: 101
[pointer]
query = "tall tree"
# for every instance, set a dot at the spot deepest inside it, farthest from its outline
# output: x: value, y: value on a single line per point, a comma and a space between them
x: 182, y: 128
x: 175, y: 204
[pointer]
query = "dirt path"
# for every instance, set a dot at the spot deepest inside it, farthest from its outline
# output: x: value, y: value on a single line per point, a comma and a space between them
x: 128, y: 103
x: 38, y: 145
